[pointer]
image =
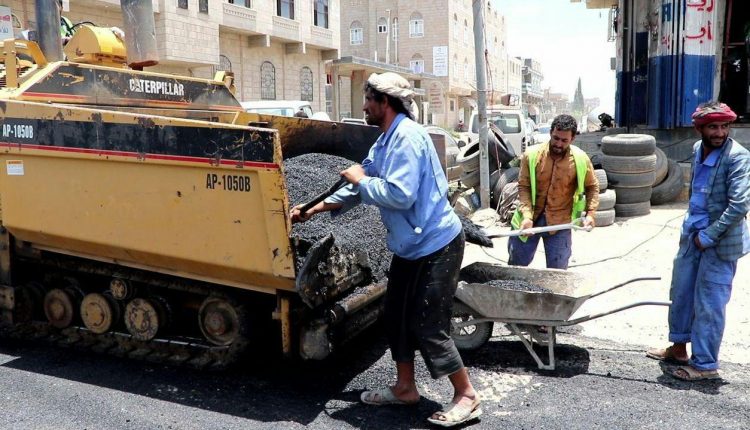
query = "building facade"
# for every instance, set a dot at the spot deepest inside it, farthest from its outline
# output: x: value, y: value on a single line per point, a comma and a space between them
x: 434, y: 38
x: 275, y: 48
x: 532, y: 92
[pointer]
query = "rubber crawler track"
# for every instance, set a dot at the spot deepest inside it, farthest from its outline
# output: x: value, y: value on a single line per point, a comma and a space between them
x: 175, y: 352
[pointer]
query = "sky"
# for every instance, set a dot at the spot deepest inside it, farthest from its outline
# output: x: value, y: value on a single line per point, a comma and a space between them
x: 568, y: 40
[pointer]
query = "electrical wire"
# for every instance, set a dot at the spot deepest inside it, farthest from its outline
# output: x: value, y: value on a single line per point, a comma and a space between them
x: 617, y: 257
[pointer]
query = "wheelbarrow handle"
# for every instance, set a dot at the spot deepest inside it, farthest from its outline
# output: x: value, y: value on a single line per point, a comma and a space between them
x: 650, y: 278
x: 537, y: 230
x: 322, y: 196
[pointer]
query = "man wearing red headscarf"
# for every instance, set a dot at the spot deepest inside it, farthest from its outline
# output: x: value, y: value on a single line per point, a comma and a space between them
x: 714, y: 236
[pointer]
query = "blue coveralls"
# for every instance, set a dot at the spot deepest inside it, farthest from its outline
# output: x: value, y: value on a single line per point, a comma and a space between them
x: 701, y: 281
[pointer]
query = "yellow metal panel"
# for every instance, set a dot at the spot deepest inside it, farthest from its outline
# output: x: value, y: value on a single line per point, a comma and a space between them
x: 152, y: 213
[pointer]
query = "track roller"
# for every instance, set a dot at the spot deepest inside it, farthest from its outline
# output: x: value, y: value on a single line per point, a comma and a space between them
x: 144, y: 318
x: 100, y: 312
x: 220, y: 321
x: 60, y: 306
x: 121, y: 289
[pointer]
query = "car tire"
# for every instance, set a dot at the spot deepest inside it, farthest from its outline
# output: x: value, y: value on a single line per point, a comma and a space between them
x: 606, y: 200
x: 596, y: 159
x: 633, y: 195
x: 628, y: 144
x: 662, y: 166
x: 626, y: 210
x: 604, y: 218
x: 601, y: 177
x: 630, y: 180
x: 504, y: 177
x: 629, y: 164
x: 671, y: 187
x: 468, y: 159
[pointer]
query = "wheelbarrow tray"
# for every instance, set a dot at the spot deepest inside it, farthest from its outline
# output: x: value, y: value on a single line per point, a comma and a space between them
x: 568, y: 291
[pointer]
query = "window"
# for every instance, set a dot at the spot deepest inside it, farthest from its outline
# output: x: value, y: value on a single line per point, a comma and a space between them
x: 395, y: 30
x: 285, y: 8
x: 456, y: 28
x: 416, y: 25
x: 306, y: 84
x: 452, y: 105
x: 416, y: 64
x: 456, y: 68
x: 182, y: 4
x: 267, y: 81
x: 382, y: 26
x: 246, y: 3
x: 466, y: 33
x: 356, y: 34
x: 203, y: 6
x: 321, y: 13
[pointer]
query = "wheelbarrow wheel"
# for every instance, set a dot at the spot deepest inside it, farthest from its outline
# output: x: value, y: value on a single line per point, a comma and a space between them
x: 468, y: 337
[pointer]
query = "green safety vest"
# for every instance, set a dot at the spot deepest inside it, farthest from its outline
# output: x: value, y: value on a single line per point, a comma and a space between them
x: 579, y: 198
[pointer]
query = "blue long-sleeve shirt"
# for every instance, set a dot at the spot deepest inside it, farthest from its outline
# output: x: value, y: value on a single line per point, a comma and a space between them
x: 405, y: 181
x: 697, y: 219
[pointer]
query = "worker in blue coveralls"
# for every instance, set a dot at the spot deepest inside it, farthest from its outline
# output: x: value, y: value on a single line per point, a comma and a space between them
x: 403, y: 177
x: 714, y: 236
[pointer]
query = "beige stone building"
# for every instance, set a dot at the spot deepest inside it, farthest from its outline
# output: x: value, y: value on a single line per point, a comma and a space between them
x: 276, y: 48
x: 434, y: 39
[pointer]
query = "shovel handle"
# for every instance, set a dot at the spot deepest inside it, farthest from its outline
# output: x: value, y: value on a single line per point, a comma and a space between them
x: 335, y: 187
x: 537, y: 230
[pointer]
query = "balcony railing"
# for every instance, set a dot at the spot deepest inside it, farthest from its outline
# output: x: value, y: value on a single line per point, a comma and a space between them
x: 285, y: 28
x: 239, y: 17
x: 321, y: 36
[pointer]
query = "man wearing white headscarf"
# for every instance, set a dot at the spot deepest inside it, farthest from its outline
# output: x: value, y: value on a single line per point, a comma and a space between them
x: 402, y: 175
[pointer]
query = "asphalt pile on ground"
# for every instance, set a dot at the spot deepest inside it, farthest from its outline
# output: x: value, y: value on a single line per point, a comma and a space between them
x: 515, y: 285
x: 359, y: 229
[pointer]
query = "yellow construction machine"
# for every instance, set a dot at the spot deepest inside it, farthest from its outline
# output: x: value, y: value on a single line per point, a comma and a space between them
x: 145, y: 214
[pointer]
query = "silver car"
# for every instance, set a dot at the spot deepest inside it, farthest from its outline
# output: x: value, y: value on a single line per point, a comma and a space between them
x: 452, y: 148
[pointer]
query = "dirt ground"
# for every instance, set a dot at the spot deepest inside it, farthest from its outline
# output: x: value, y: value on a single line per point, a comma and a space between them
x: 631, y: 248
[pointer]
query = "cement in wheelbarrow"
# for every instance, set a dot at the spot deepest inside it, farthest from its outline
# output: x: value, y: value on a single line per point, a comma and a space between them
x: 568, y: 291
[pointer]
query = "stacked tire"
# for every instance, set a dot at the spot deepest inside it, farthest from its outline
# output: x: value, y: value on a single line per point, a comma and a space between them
x: 500, y: 154
x: 630, y: 162
x: 605, y: 214
x: 669, y: 183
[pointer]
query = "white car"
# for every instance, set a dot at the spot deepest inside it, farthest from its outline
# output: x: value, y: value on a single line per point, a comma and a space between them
x: 510, y: 121
x: 541, y: 135
x: 278, y: 107
x: 354, y: 121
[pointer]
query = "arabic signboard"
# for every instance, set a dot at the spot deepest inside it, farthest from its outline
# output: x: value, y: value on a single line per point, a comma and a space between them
x: 440, y: 60
x: 436, y: 97
x: 6, y: 23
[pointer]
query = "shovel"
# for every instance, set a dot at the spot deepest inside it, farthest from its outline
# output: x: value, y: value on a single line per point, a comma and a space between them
x: 322, y: 196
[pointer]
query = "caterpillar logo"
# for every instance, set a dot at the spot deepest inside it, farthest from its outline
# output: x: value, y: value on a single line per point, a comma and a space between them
x: 157, y: 87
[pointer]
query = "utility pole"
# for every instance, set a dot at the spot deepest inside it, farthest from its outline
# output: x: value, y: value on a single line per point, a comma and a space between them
x: 388, y: 38
x: 484, y: 165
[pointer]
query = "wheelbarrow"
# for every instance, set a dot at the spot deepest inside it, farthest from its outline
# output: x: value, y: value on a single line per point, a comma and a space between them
x: 556, y: 296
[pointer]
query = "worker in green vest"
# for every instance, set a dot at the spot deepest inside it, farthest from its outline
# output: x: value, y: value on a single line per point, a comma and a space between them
x: 556, y: 185
x: 66, y: 25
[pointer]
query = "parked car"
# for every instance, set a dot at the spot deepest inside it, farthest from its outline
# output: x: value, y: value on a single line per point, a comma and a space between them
x: 452, y: 148
x: 510, y: 121
x: 542, y: 134
x: 354, y: 121
x: 278, y: 107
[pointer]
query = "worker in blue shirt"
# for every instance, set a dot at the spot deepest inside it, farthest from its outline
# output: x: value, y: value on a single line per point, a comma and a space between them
x: 403, y: 177
x: 714, y: 236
